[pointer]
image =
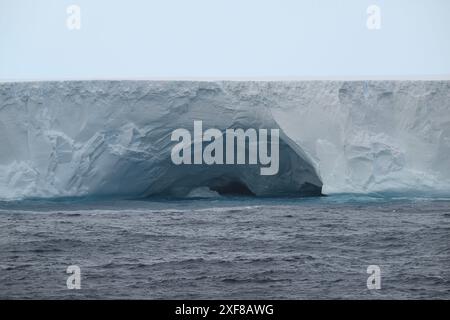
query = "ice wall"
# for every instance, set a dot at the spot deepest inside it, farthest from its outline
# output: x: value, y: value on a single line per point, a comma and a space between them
x: 113, y: 137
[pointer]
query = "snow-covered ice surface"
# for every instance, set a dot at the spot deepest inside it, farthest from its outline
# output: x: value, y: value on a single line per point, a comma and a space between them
x: 112, y: 138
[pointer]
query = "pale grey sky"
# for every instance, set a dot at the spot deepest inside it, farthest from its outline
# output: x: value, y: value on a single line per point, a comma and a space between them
x: 223, y: 39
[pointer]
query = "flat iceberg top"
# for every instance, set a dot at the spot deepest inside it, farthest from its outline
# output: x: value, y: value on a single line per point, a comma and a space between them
x: 112, y: 138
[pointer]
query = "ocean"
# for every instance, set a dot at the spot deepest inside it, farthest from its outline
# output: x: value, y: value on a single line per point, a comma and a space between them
x: 226, y: 248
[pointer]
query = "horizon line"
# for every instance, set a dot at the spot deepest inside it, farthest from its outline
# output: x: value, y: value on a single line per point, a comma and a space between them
x: 238, y: 78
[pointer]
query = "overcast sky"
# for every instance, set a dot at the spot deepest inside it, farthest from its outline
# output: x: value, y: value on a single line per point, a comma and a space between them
x: 223, y: 39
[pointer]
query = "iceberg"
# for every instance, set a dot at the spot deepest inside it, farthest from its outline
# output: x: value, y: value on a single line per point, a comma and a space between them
x: 112, y: 138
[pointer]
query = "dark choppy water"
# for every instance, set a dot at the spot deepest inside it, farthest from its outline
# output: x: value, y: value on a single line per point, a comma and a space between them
x: 227, y: 248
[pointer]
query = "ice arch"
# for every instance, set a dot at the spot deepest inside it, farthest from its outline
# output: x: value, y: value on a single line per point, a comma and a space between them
x: 112, y: 139
x: 296, y: 177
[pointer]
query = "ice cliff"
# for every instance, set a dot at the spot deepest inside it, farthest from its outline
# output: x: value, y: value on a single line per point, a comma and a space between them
x: 112, y: 138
